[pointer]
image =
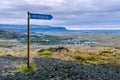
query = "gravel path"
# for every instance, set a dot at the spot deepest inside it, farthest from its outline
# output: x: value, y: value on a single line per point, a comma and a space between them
x: 55, y: 69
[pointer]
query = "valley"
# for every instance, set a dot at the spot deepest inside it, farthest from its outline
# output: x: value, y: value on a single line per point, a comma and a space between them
x: 66, y: 55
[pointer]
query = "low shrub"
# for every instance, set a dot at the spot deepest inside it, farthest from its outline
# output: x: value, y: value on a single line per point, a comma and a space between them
x: 58, y: 49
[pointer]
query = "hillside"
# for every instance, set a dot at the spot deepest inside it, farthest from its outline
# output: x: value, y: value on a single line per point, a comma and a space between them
x: 8, y: 34
x: 60, y: 55
x: 60, y: 63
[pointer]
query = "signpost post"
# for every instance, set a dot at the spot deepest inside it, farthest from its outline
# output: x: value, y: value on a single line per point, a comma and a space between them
x: 34, y: 16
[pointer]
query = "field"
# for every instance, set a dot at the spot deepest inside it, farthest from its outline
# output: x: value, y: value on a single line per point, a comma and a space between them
x: 79, y: 56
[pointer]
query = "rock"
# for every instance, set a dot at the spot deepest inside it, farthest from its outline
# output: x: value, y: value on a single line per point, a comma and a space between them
x: 56, y: 78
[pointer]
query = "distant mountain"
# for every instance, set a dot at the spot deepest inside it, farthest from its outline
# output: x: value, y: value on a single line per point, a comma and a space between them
x: 47, y: 28
x: 96, y: 31
x: 34, y: 28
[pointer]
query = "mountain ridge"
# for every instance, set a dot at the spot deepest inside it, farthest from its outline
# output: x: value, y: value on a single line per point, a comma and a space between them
x: 33, y: 28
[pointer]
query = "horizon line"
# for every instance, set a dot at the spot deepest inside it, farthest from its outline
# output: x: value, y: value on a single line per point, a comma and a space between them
x: 70, y: 28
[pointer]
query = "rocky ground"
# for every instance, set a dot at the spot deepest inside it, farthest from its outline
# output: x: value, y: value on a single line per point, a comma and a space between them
x: 55, y: 69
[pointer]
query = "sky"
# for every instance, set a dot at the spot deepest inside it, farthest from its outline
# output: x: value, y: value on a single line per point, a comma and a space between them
x: 72, y: 14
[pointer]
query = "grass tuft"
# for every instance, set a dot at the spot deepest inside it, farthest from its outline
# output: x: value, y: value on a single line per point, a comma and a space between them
x: 84, y: 57
x: 25, y: 69
x: 105, y: 51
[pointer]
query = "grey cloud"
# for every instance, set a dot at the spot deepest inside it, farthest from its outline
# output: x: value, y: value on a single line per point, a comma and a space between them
x: 67, y: 12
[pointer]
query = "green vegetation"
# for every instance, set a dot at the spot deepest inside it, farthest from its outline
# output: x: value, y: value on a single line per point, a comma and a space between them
x: 107, y: 57
x: 45, y: 52
x: 5, y: 46
x: 84, y: 57
x: 25, y: 69
x: 42, y: 40
x: 105, y: 51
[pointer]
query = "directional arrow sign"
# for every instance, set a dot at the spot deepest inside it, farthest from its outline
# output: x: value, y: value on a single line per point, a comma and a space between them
x: 40, y: 16
x: 34, y: 16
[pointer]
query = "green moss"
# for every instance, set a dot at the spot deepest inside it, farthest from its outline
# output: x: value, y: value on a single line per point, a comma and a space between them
x: 46, y: 52
x: 25, y: 69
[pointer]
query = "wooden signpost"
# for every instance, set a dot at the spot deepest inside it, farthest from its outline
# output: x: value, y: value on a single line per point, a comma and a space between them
x: 34, y: 16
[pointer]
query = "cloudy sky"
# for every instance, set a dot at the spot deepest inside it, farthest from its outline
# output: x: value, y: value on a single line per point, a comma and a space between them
x: 72, y: 14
